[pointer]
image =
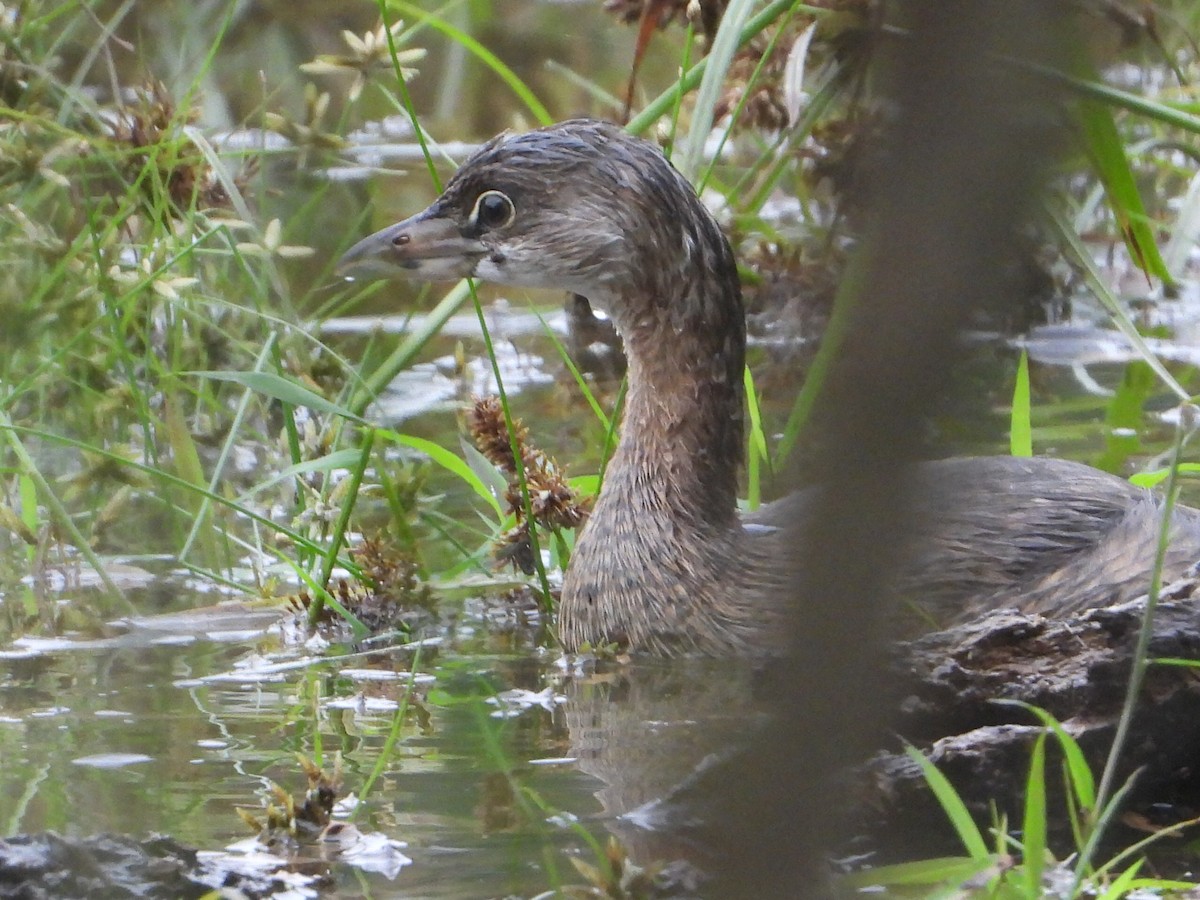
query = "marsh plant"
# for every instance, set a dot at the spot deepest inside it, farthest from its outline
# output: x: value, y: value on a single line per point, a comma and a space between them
x: 166, y: 252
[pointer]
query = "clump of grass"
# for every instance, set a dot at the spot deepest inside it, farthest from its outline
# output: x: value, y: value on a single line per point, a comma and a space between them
x: 386, y: 592
x: 392, y: 574
x: 1022, y: 864
x: 288, y: 819
x: 618, y: 877
x: 154, y: 336
x: 148, y: 127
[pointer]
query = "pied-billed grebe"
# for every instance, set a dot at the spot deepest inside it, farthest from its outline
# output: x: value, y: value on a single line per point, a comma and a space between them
x: 666, y: 564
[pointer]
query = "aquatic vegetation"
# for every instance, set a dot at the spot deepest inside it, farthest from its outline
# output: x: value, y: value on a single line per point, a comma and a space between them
x: 1019, y: 861
x: 371, y: 55
x: 175, y: 183
x: 554, y: 504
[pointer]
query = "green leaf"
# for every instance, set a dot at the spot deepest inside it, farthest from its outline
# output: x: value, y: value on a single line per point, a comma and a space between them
x: 1162, y: 884
x: 488, y: 474
x: 1033, y: 827
x: 1082, y: 780
x: 1107, y: 153
x: 952, y: 804
x: 1075, y: 250
x: 1158, y: 476
x: 1186, y: 229
x: 712, y: 84
x: 1020, y: 429
x: 1174, y: 661
x: 446, y: 460
x: 588, y: 485
x: 758, y: 454
x: 280, y: 388
x: 183, y: 446
x: 580, y: 381
x: 414, y: 342
x: 340, y: 459
x: 1174, y: 114
x: 1123, y: 883
x: 29, y: 504
x: 954, y: 869
x: 121, y: 461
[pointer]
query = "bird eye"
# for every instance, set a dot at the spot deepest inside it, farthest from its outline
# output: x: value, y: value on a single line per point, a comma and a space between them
x: 493, y: 210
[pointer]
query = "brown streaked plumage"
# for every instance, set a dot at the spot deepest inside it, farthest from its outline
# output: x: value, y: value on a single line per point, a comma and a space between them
x: 666, y: 564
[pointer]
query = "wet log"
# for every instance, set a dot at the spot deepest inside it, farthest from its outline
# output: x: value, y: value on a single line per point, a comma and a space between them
x: 1077, y: 669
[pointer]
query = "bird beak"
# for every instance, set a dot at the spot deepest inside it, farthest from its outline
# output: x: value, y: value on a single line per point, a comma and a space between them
x: 429, y: 247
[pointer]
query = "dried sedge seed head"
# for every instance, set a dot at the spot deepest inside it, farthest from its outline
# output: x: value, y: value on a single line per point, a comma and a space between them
x: 393, y: 594
x: 515, y: 547
x: 485, y: 420
x: 764, y: 107
x: 553, y: 503
x: 154, y: 120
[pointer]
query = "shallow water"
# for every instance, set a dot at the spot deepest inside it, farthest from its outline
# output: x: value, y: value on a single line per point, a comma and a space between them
x: 168, y: 726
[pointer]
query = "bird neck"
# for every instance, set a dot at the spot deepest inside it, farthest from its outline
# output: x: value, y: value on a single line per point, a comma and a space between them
x: 681, y: 448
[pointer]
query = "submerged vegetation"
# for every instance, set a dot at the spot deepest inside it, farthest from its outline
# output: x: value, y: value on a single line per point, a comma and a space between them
x: 171, y: 407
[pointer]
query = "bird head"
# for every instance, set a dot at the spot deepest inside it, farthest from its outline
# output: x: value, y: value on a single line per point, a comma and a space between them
x: 579, y: 206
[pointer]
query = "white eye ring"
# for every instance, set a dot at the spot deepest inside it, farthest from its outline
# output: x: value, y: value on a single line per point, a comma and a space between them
x: 493, y: 209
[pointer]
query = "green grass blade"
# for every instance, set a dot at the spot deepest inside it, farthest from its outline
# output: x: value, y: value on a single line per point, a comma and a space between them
x: 447, y: 460
x: 831, y: 346
x: 942, y: 870
x: 1020, y: 429
x: 1084, y: 861
x: 1135, y: 850
x: 952, y: 804
x: 1093, y: 89
x: 1074, y: 249
x: 1162, y: 884
x: 166, y: 477
x: 1082, y: 780
x: 1141, y: 652
x: 58, y: 511
x: 1033, y: 827
x: 1186, y: 229
x: 757, y: 455
x: 339, y: 459
x: 188, y: 467
x: 1125, y: 416
x: 712, y: 85
x: 580, y: 382
x: 280, y: 388
x: 483, y: 54
x: 402, y: 357
x: 340, y: 529
x: 1122, y: 883
x: 387, y: 753
x: 1158, y: 476
x: 664, y: 102
x: 195, y: 533
x: 483, y: 468
x: 1175, y: 661
x: 1107, y: 153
